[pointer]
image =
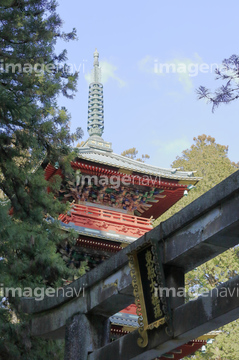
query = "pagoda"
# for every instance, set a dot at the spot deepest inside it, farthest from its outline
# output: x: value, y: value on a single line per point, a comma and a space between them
x: 115, y: 200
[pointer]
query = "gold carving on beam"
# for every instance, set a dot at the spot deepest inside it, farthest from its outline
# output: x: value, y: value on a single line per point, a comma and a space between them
x: 111, y: 284
x: 139, y: 298
x: 188, y: 182
x: 125, y: 171
x: 143, y: 339
x: 156, y: 324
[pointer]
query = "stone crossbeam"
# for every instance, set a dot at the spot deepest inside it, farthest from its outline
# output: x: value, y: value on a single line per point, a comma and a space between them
x: 191, y: 320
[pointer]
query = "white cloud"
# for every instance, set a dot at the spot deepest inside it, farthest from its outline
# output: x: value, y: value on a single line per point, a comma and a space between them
x: 176, y: 146
x: 183, y: 68
x: 88, y: 77
x: 167, y: 151
x: 145, y: 64
x: 108, y: 71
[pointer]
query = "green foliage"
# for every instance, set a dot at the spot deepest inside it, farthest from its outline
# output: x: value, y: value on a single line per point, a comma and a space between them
x: 224, y: 347
x: 33, y: 130
x: 132, y: 154
x: 211, y: 162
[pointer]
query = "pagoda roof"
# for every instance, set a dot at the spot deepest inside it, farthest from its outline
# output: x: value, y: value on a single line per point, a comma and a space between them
x: 124, y: 163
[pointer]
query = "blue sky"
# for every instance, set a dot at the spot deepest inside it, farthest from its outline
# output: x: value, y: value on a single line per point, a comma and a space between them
x: 156, y: 112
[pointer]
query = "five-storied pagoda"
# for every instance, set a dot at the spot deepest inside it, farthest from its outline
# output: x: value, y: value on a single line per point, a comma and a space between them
x: 114, y: 201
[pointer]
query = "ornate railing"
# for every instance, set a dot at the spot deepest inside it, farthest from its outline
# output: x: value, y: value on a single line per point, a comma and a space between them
x: 81, y: 212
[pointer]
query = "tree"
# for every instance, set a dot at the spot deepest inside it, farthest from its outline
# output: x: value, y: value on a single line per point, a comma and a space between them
x: 229, y: 72
x: 132, y: 154
x: 211, y: 162
x: 33, y: 131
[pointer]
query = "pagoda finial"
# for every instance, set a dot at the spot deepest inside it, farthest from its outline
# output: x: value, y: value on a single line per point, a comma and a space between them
x: 96, y: 71
x: 95, y: 124
x: 96, y: 57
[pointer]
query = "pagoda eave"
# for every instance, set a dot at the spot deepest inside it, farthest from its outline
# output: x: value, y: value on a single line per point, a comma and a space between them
x: 131, y: 178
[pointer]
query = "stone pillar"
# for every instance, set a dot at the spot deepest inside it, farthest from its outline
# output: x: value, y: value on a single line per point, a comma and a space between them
x: 174, y: 278
x: 84, y: 334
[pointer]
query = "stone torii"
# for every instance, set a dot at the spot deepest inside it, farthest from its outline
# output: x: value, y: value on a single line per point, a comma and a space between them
x: 199, y: 232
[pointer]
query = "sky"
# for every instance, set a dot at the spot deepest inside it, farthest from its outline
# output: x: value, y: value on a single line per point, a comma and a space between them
x: 153, y: 55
